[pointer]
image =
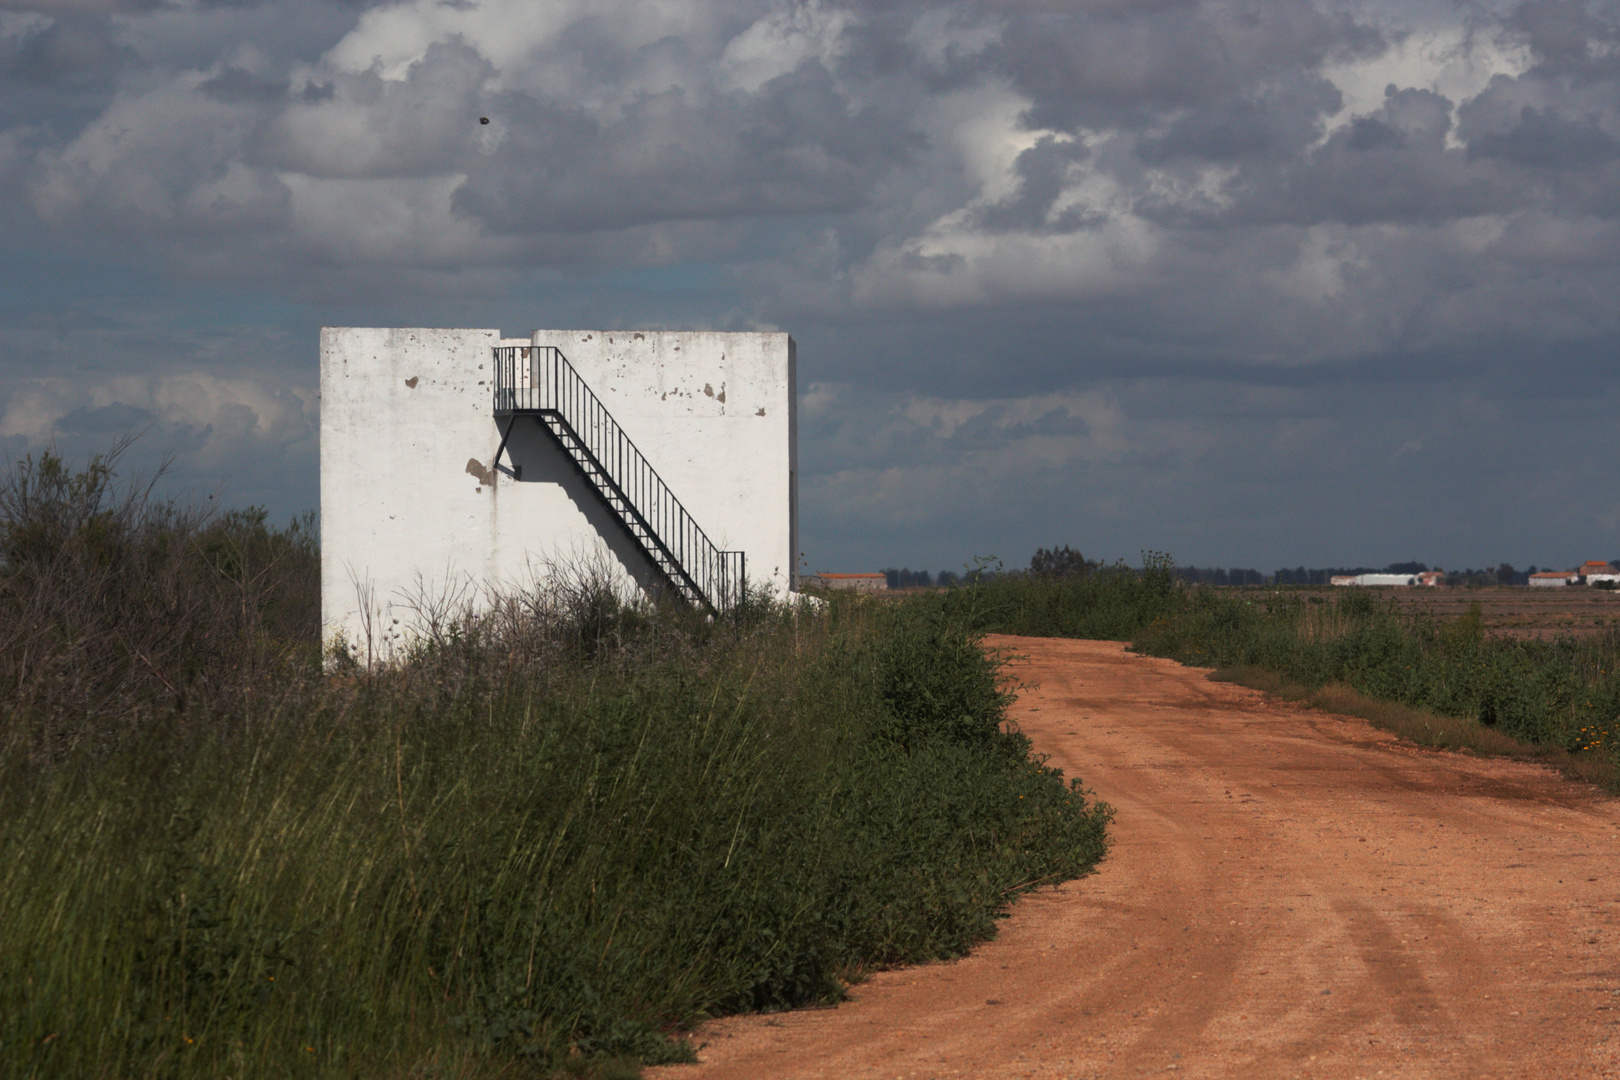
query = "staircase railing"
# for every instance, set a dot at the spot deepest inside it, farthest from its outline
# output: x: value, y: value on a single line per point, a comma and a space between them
x: 538, y: 380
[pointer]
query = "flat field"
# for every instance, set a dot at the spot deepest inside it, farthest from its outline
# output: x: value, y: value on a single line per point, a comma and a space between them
x: 1514, y: 610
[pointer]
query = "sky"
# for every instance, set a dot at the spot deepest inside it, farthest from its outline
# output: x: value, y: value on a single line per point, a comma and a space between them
x: 1255, y: 284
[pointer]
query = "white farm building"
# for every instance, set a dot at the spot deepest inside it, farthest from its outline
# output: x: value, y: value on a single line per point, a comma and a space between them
x: 457, y: 461
x: 1427, y: 578
x: 1552, y: 579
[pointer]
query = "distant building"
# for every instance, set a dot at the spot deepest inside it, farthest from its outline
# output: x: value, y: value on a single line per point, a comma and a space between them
x: 1596, y: 571
x: 1429, y: 578
x: 856, y: 582
x: 1551, y: 579
x: 1377, y: 579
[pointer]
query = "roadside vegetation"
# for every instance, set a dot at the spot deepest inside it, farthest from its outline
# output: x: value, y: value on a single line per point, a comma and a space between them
x: 1441, y: 682
x: 550, y: 840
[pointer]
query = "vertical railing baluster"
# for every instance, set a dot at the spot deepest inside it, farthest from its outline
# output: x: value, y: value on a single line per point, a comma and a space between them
x: 548, y: 384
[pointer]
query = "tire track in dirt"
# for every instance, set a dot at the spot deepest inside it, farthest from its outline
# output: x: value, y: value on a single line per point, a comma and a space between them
x: 1289, y: 894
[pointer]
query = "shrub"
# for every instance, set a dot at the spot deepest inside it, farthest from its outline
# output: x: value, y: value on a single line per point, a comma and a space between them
x: 118, y: 608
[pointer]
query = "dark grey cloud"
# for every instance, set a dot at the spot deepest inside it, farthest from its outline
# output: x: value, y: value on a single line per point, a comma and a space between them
x: 1130, y: 63
x: 1394, y: 165
x: 104, y: 419
x: 362, y: 126
x: 1544, y: 139
x: 1042, y: 172
x: 68, y: 53
x: 795, y: 146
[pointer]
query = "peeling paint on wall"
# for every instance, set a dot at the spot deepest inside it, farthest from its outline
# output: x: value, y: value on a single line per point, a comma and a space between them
x: 483, y: 475
x: 412, y: 381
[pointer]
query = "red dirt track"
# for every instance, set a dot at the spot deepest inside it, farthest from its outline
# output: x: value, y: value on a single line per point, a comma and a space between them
x: 1289, y: 894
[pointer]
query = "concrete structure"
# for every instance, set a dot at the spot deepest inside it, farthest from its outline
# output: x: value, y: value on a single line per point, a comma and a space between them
x: 854, y: 582
x: 417, y: 514
x: 1551, y: 579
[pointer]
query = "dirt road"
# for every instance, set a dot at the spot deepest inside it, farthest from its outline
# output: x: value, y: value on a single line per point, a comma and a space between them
x: 1289, y: 894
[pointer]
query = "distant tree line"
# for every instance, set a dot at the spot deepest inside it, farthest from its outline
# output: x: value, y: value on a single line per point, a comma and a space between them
x: 1054, y: 562
x: 918, y: 579
x: 1062, y: 561
x: 1216, y: 575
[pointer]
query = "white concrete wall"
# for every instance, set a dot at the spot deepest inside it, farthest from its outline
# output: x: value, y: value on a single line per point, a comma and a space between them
x: 411, y: 506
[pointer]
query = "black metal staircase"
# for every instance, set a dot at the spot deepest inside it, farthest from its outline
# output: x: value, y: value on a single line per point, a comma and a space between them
x: 539, y: 381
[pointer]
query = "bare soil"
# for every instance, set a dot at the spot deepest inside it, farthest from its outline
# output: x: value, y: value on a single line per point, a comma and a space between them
x: 1290, y: 894
x: 1520, y: 611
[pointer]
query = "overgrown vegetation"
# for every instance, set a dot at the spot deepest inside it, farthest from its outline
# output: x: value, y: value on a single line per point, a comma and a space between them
x: 1558, y: 699
x: 1427, y: 727
x: 1066, y: 596
x: 117, y: 608
x: 1563, y: 694
x: 551, y: 838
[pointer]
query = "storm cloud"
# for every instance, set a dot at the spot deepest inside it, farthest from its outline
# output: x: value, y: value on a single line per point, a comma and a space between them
x: 1249, y: 281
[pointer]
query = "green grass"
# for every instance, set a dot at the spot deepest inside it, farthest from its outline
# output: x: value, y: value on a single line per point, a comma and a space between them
x: 1560, y: 696
x: 553, y: 839
x: 1426, y: 727
x: 1111, y: 603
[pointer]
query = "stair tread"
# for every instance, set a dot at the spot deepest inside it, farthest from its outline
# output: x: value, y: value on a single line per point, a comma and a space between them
x: 611, y: 491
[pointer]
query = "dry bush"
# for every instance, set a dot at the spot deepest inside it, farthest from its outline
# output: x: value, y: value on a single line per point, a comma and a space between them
x: 118, y: 608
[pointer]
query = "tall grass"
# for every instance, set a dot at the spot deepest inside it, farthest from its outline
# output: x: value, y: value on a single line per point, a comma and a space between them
x: 1563, y: 694
x: 554, y: 836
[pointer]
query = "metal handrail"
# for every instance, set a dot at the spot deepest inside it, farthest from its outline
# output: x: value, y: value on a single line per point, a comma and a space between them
x: 538, y: 380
